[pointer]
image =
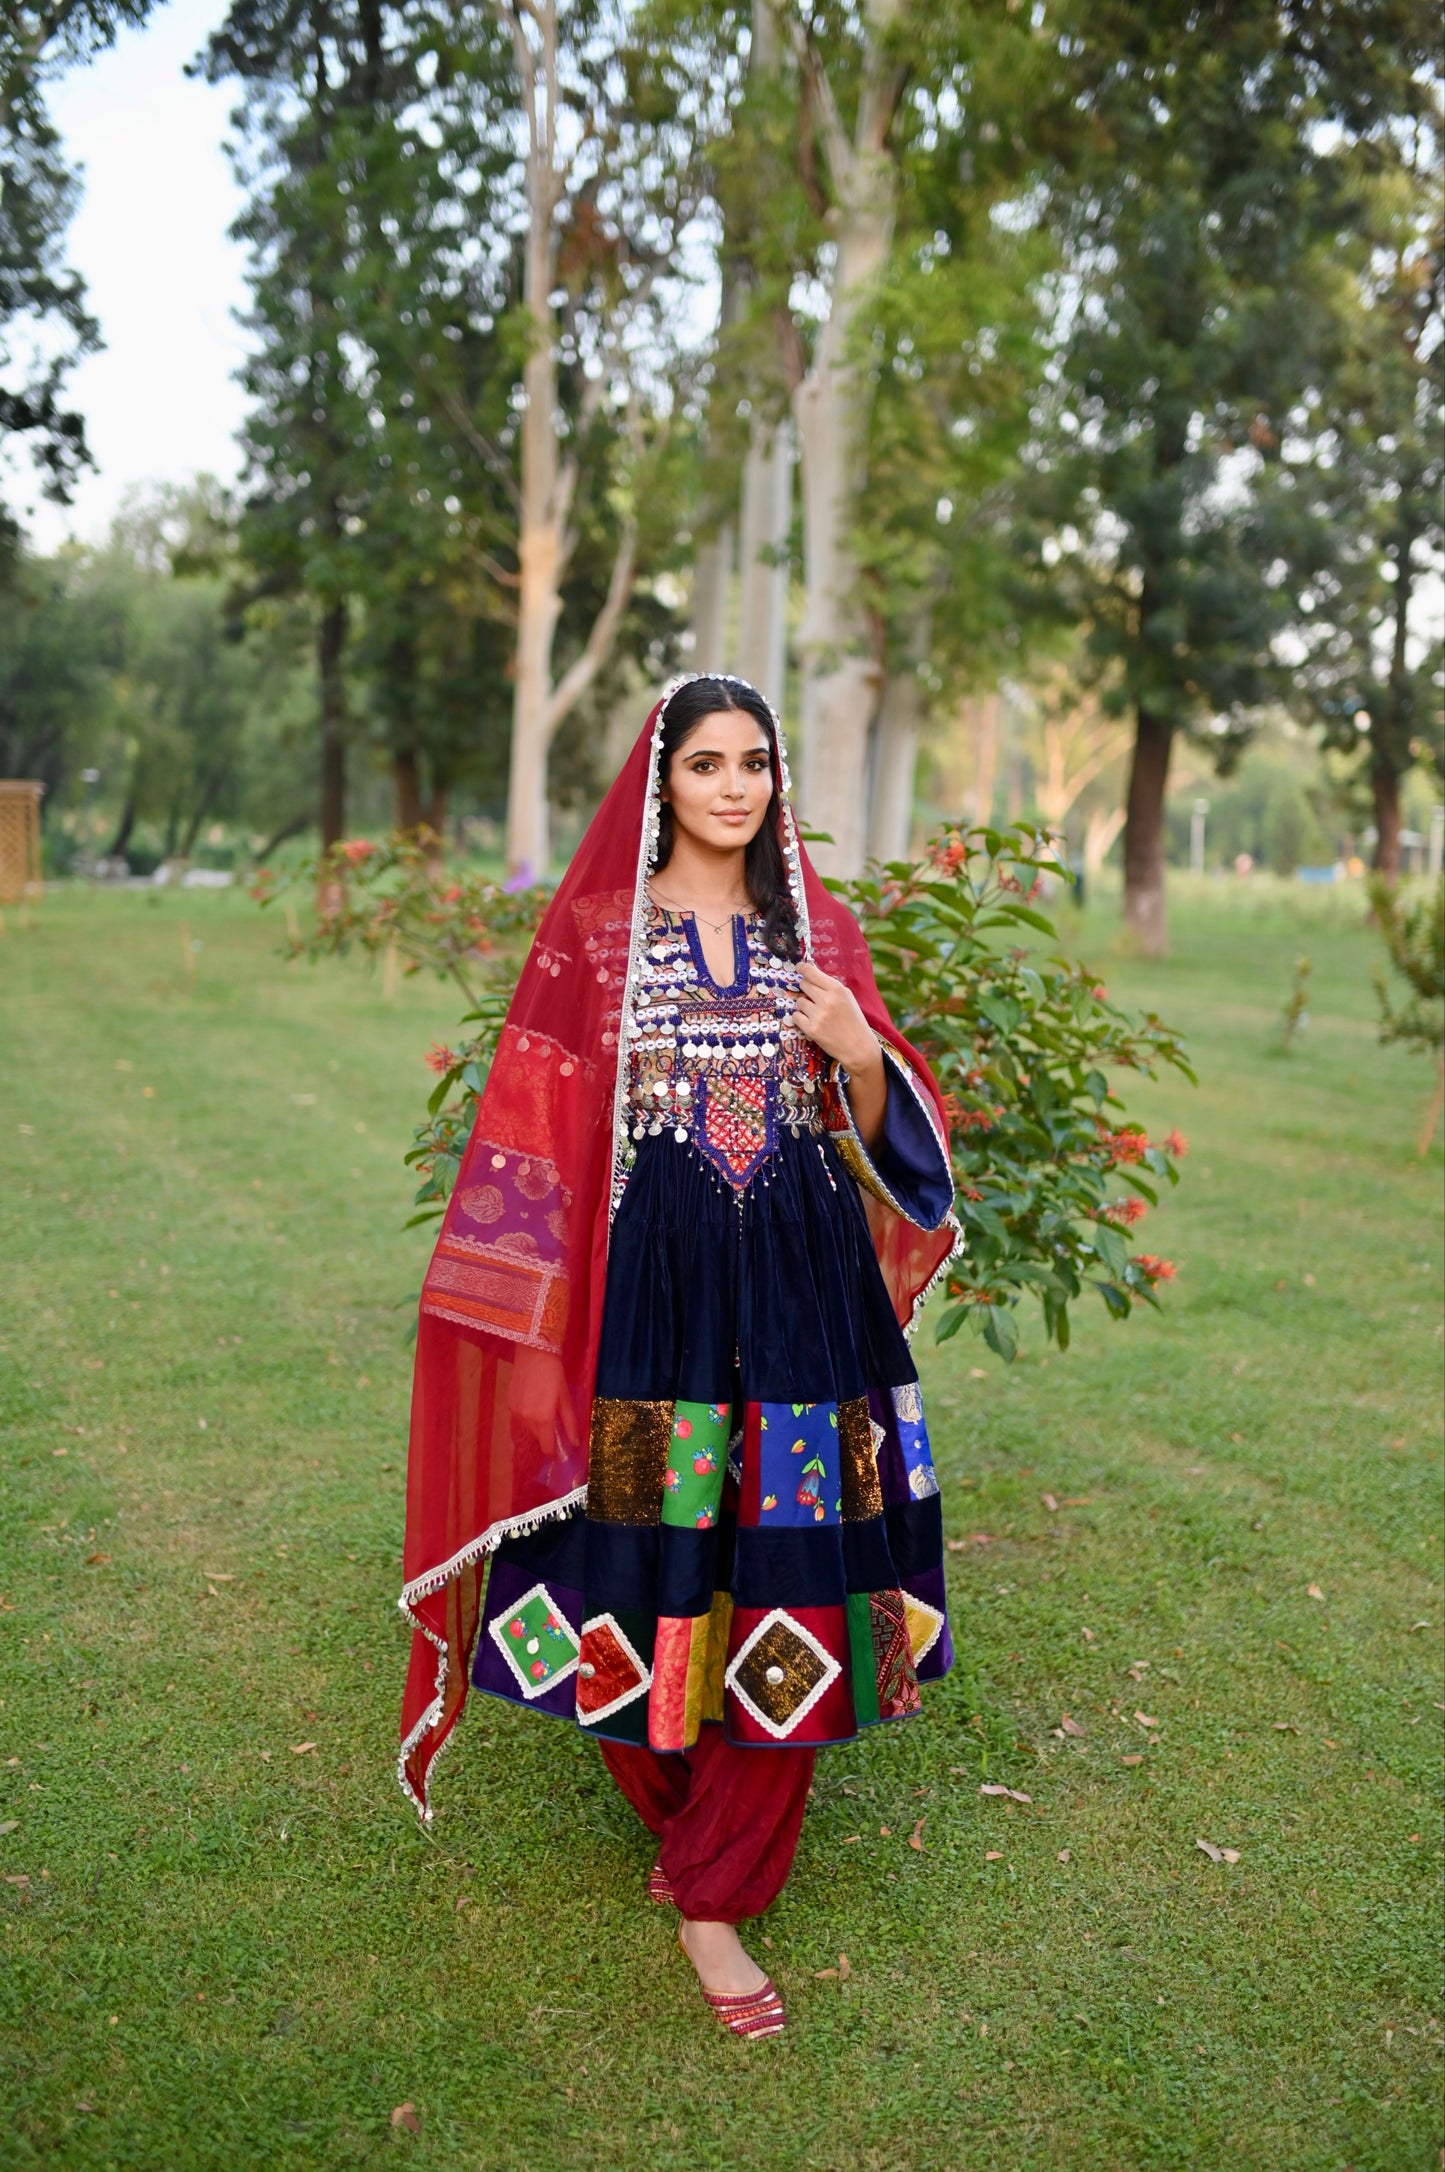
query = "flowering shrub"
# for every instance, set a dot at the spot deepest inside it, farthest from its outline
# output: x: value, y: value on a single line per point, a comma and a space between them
x: 1051, y: 1179
x: 1027, y: 1048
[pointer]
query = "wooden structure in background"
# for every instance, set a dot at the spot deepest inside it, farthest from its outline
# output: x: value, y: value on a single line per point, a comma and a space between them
x: 19, y: 839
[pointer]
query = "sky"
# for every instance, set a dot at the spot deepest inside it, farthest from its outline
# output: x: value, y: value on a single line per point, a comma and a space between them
x: 150, y: 241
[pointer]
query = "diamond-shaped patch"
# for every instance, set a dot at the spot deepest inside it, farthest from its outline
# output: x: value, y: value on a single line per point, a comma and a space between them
x: 537, y: 1641
x: 925, y: 1625
x: 610, y: 1670
x: 780, y: 1673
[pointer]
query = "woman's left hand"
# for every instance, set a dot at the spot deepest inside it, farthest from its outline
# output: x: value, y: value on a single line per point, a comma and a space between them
x: 827, y: 1011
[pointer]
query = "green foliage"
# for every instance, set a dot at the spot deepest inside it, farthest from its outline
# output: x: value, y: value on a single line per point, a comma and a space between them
x: 1023, y: 1042
x: 1412, y: 928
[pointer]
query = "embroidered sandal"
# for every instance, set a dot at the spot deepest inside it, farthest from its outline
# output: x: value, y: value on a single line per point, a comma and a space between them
x: 746, y: 2013
x: 658, y: 1888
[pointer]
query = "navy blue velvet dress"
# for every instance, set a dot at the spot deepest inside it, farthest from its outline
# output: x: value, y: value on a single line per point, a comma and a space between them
x: 762, y: 1539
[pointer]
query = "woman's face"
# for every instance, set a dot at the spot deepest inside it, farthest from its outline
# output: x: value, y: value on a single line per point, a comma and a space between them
x: 720, y: 781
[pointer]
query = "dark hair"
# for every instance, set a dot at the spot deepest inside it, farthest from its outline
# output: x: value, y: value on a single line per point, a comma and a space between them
x: 764, y: 869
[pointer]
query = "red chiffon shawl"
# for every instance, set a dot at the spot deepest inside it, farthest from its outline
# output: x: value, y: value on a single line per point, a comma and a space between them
x: 511, y: 1309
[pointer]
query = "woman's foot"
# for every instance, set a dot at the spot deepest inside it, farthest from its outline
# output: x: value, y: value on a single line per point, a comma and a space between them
x: 716, y: 1952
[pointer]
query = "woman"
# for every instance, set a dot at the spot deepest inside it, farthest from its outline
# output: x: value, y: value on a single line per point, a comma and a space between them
x: 662, y: 1380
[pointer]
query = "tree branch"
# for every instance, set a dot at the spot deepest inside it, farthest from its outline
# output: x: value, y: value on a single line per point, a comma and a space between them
x: 580, y: 674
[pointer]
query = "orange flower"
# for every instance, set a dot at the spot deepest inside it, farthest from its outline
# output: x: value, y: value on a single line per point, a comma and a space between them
x: 1177, y: 1145
x: 1155, y: 1270
x: 355, y: 850
x: 440, y: 1059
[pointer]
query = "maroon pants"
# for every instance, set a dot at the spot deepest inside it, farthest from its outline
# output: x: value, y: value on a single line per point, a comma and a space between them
x: 728, y: 1819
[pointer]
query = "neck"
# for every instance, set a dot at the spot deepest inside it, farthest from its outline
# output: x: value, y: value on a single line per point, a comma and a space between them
x: 702, y: 876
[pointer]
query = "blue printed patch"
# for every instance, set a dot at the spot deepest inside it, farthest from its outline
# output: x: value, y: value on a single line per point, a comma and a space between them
x: 913, y: 1440
x: 798, y: 1469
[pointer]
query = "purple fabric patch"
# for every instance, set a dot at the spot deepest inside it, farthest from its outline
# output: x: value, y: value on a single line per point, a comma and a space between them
x: 503, y: 1663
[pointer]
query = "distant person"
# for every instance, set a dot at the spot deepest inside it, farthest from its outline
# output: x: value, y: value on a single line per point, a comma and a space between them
x: 662, y: 1379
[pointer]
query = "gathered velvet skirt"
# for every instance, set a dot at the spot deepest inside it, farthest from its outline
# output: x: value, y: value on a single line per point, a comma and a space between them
x: 762, y: 1538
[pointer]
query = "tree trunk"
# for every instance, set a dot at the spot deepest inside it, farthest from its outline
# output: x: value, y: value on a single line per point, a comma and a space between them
x: 330, y: 649
x: 711, y: 580
x: 895, y: 757
x: 1385, y: 791
x: 842, y: 678
x: 123, y: 828
x: 986, y: 711
x: 408, y: 789
x: 767, y: 516
x: 1144, y: 903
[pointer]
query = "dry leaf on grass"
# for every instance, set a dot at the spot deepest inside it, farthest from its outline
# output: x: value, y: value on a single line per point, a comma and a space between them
x: 993, y: 1855
x: 16, y: 1877
x: 1313, y: 1591
x: 299, y: 1749
x: 885, y: 1832
x: 220, y: 1576
x: 994, y: 1787
x: 1050, y: 1503
x: 820, y: 1973
x: 915, y: 1838
x: 1416, y: 1625
x: 95, y: 1561
x: 8, y: 1825
x: 1088, y: 1636
x: 851, y: 1838
x: 1070, y: 1726
x: 845, y: 1967
x: 1063, y: 1855
x: 405, y: 2116
x: 1285, y: 1727
x: 1145, y: 1721
x: 1133, y: 1757
x: 1218, y: 1855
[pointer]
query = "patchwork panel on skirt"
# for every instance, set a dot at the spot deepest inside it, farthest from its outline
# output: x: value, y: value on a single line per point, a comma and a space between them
x: 627, y: 1457
x: 789, y: 1674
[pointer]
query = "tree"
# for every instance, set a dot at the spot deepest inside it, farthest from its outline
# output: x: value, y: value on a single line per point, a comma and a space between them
x: 42, y: 305
x: 611, y: 186
x: 323, y: 88
x: 893, y: 308
x: 1197, y: 226
x: 1370, y: 671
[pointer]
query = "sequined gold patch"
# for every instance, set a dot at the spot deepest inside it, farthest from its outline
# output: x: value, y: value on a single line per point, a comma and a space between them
x: 630, y: 1441
x: 861, y: 1492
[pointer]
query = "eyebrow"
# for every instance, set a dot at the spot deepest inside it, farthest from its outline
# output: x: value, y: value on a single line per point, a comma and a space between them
x: 714, y: 754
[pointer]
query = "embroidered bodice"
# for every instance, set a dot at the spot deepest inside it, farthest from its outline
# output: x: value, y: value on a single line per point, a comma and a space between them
x: 721, y: 1068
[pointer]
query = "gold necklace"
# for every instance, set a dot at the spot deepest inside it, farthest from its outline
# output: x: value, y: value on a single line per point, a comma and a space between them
x: 671, y: 905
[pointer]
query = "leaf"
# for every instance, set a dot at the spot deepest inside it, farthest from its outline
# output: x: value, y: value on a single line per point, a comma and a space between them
x: 405, y: 2116
x: 994, y: 1787
x: 845, y: 1967
x: 8, y: 1825
x: 820, y: 1973
x: 1050, y: 1503
x: 1313, y: 1591
x: 993, y: 1855
x: 1285, y: 1727
x: 1133, y: 1757
x: 1145, y: 1720
x: 95, y: 1561
x: 915, y: 1838
x: 1063, y: 1855
x: 299, y: 1749
x: 1070, y: 1726
x: 1216, y: 1855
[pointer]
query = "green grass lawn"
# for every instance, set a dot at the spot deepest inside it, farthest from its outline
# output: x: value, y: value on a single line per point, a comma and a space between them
x: 224, y: 1941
